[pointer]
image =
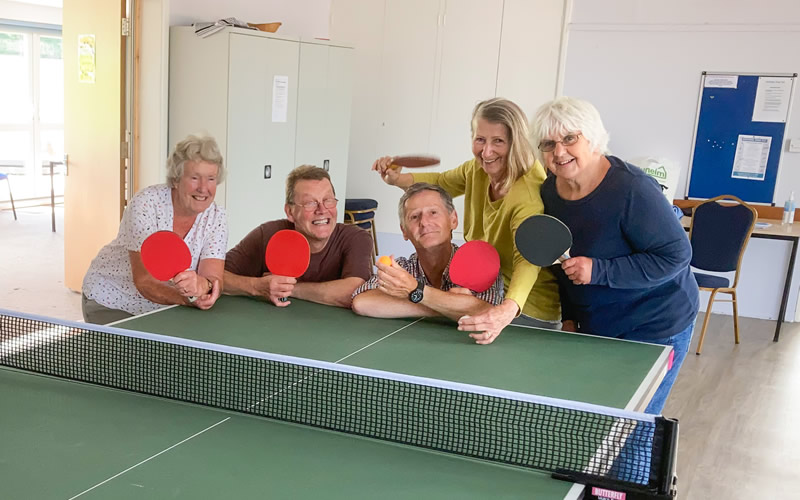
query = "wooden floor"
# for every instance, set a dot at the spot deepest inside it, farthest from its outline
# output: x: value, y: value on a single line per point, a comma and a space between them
x: 739, y: 409
x: 739, y: 406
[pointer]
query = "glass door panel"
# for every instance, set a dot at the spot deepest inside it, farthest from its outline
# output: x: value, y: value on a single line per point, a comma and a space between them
x: 15, y: 93
x: 50, y: 143
x: 31, y: 112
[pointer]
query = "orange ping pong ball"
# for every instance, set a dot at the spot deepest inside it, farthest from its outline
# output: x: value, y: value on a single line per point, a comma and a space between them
x: 385, y: 260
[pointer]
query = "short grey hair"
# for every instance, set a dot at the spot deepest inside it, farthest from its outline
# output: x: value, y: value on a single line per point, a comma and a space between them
x: 564, y: 115
x: 417, y: 188
x: 194, y: 148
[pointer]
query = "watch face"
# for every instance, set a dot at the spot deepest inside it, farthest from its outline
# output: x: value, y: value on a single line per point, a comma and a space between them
x: 415, y: 296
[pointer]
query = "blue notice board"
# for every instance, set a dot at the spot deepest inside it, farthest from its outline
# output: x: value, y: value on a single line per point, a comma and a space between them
x: 725, y: 125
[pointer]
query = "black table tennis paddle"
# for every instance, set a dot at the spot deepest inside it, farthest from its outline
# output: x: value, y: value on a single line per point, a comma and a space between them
x: 543, y: 240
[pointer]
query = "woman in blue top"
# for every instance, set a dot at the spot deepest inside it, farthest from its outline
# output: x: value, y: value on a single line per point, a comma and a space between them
x: 629, y: 274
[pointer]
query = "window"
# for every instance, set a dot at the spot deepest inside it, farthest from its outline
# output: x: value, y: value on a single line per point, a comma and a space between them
x: 31, y: 110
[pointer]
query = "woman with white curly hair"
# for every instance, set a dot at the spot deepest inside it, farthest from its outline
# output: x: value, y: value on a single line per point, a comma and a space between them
x: 629, y: 274
x: 118, y: 286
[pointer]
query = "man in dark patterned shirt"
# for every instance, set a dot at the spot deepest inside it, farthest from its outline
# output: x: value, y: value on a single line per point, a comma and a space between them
x: 421, y: 285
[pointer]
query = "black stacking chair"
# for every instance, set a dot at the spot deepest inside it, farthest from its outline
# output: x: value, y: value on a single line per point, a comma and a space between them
x: 719, y: 234
x: 361, y: 212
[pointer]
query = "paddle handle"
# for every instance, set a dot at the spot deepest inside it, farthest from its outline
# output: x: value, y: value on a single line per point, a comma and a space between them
x: 564, y: 256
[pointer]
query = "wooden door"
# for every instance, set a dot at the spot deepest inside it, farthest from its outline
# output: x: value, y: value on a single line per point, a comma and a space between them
x: 93, y: 130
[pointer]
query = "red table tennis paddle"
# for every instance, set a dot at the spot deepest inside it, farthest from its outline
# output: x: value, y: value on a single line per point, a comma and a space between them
x: 288, y: 254
x: 543, y: 240
x: 415, y: 161
x: 475, y: 266
x: 165, y: 254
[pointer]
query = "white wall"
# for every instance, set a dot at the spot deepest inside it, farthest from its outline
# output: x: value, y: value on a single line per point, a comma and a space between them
x: 640, y: 64
x: 304, y: 18
x: 31, y: 13
x: 524, y: 68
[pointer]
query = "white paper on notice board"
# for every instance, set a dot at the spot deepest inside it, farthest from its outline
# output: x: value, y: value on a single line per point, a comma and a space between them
x: 722, y: 81
x: 750, y: 162
x: 280, y: 98
x: 772, y: 99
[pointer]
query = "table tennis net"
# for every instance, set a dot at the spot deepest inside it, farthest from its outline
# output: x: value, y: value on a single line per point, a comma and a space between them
x: 511, y: 428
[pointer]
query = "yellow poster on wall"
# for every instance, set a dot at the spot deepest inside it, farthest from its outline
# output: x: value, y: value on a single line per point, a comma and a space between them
x: 86, y: 58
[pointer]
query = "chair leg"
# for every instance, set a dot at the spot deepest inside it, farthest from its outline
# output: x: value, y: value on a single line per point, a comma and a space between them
x: 705, y: 322
x: 11, y: 197
x: 374, y: 236
x: 735, y: 317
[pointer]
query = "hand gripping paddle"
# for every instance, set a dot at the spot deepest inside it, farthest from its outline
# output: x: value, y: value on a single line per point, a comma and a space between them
x: 475, y: 266
x: 165, y: 254
x: 543, y: 240
x: 288, y: 254
x: 414, y: 161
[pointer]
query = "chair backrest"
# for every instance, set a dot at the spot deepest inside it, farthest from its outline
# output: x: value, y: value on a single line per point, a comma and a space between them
x: 359, y: 217
x: 719, y: 234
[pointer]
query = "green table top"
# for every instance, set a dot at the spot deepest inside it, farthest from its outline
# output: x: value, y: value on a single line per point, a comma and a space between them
x: 549, y: 363
x: 71, y: 440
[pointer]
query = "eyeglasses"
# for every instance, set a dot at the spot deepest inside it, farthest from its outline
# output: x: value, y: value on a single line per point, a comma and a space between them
x: 568, y: 140
x: 311, y: 206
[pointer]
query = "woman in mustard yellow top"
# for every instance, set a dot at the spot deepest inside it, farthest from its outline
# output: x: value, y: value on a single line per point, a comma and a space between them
x: 501, y: 189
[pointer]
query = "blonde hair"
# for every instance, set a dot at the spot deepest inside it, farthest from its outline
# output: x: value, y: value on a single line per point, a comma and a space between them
x: 566, y: 115
x: 194, y: 148
x: 505, y: 112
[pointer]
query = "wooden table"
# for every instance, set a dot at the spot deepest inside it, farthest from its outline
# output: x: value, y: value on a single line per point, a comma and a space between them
x: 776, y: 231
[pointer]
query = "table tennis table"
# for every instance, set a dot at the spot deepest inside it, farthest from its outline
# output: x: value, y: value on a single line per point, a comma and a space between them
x: 67, y: 439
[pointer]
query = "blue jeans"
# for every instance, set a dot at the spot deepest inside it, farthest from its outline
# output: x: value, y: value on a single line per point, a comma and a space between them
x: 680, y: 345
x: 633, y: 463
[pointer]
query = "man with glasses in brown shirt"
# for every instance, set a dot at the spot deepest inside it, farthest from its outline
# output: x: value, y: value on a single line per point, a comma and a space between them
x: 340, y: 254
